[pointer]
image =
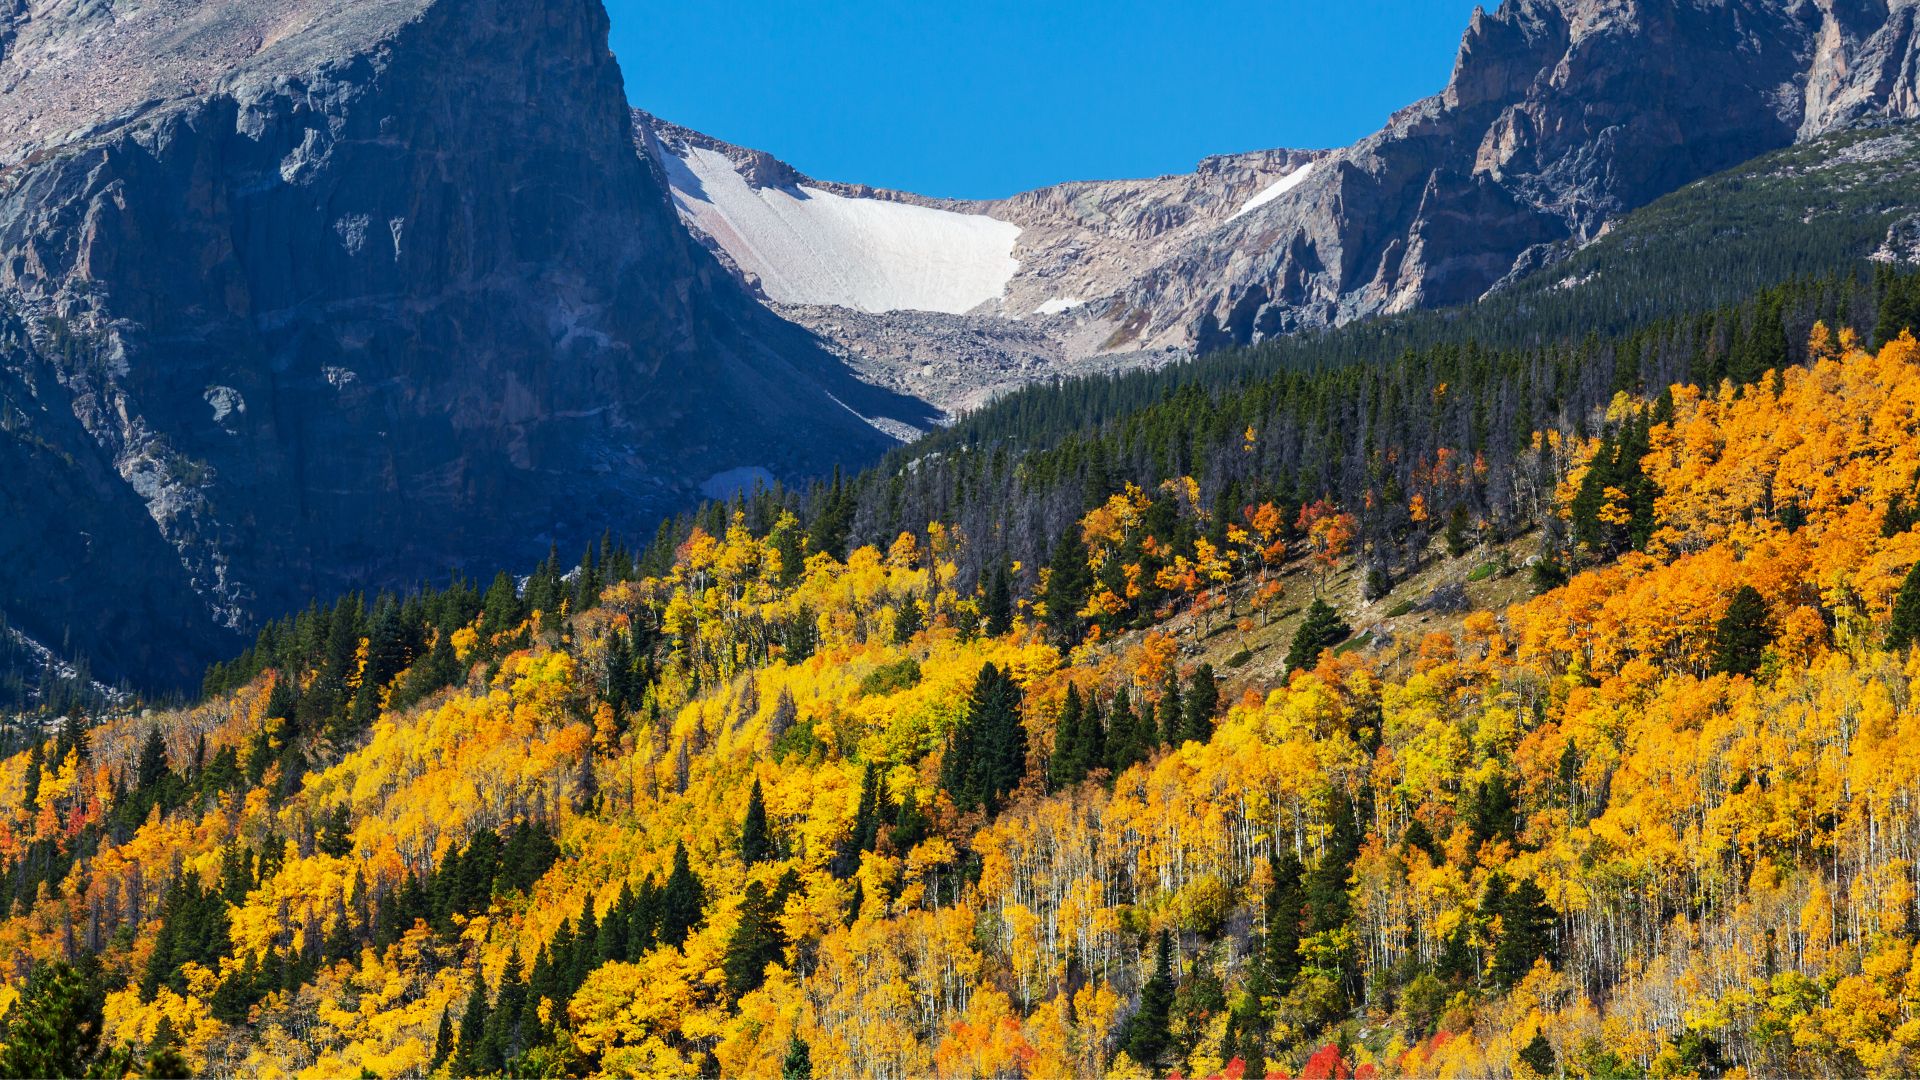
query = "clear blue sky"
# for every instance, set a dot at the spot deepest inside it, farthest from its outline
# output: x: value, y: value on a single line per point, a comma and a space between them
x: 985, y: 99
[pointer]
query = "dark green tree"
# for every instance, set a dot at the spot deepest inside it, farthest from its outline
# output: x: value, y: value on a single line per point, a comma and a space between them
x: 798, y: 1064
x: 1069, y: 762
x: 1069, y: 584
x: 756, y: 942
x: 54, y: 1028
x: 756, y: 839
x: 1148, y: 1031
x: 1526, y: 933
x: 1538, y: 1054
x: 1741, y: 638
x: 1203, y: 701
x: 987, y: 753
x: 1321, y: 630
x: 1904, y: 631
x: 996, y: 602
x: 683, y: 904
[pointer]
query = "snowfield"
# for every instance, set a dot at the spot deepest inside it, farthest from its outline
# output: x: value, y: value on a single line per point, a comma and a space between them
x: 808, y: 246
x: 1276, y: 189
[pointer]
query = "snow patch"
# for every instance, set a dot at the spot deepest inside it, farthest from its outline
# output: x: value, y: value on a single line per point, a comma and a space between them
x: 1058, y: 304
x: 1276, y: 189
x: 808, y: 246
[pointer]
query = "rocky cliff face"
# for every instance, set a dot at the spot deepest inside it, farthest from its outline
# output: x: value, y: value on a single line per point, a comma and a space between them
x: 1560, y: 114
x: 304, y: 296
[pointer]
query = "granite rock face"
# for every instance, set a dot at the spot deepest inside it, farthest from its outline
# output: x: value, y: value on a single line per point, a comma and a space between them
x: 308, y: 296
x: 1559, y: 116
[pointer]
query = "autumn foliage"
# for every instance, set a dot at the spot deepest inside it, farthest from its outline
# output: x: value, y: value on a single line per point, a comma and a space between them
x: 1661, y: 819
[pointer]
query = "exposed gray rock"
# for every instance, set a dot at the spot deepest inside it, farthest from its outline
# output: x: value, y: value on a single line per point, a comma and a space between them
x: 1559, y: 116
x: 308, y: 296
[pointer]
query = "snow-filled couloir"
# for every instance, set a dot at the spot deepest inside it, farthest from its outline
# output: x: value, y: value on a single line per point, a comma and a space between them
x: 806, y: 245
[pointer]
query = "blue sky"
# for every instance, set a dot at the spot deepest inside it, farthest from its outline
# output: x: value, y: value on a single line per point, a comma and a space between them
x: 988, y: 98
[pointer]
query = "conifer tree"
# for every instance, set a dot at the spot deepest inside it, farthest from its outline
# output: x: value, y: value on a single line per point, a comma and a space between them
x: 1527, y: 924
x: 1286, y: 905
x: 798, y: 1064
x: 467, y: 1059
x: 1741, y: 638
x: 1068, y: 765
x: 756, y: 942
x: 1203, y: 701
x: 1904, y: 631
x: 1148, y: 1030
x: 1069, y: 584
x: 996, y: 603
x: 756, y: 841
x: 683, y: 904
x: 1539, y: 1056
x: 1172, y: 712
x: 1319, y: 631
x: 987, y: 753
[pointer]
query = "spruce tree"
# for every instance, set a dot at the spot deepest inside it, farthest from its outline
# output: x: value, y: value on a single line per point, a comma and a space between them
x: 1068, y: 765
x: 1069, y: 584
x: 756, y: 942
x: 1173, y: 714
x: 996, y: 604
x: 442, y: 1041
x: 798, y: 1064
x: 683, y: 904
x: 473, y: 1030
x: 1527, y: 924
x: 1125, y: 746
x: 1904, y: 631
x: 1539, y: 1056
x: 987, y: 754
x: 1203, y: 700
x: 1148, y: 1030
x: 1319, y: 631
x: 1741, y: 638
x: 1286, y: 906
x: 756, y: 840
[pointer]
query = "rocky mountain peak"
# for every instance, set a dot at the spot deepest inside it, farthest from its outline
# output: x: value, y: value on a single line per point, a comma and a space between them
x: 313, y: 296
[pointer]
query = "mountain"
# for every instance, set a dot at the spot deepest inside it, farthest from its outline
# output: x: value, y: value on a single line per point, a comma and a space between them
x: 1559, y: 116
x: 301, y: 297
x: 952, y: 300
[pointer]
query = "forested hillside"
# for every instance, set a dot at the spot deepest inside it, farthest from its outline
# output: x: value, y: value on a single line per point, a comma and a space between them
x: 872, y: 789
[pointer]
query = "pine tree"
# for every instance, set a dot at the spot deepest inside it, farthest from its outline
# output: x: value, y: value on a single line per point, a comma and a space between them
x: 1319, y: 631
x: 442, y: 1042
x: 1069, y: 584
x: 1527, y: 924
x: 1741, y: 638
x: 1203, y: 700
x: 1124, y: 744
x: 756, y: 840
x: 1068, y: 765
x: 683, y: 904
x: 996, y: 604
x: 798, y: 1064
x: 1286, y: 906
x: 153, y: 763
x: 1539, y: 1056
x: 1148, y: 1030
x: 987, y: 753
x: 1173, y: 714
x: 756, y: 942
x: 473, y: 1030
x: 1905, y: 629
